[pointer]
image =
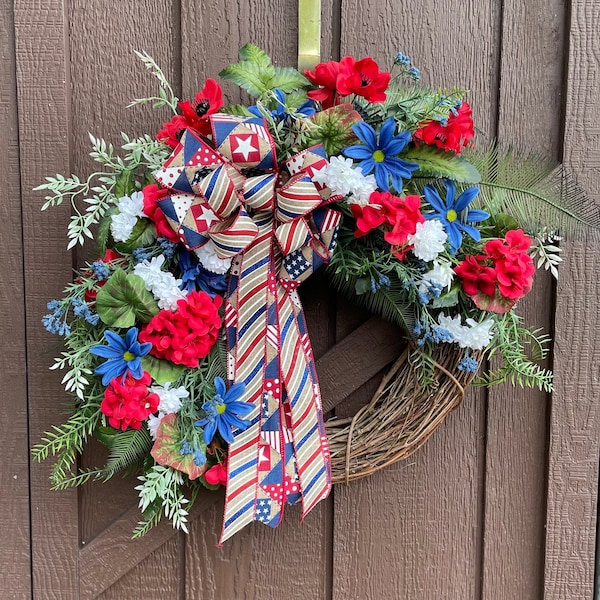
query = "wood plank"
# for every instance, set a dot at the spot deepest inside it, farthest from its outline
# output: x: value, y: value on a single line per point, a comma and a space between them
x: 211, y: 38
x: 44, y: 120
x: 15, y: 579
x: 414, y: 530
x: 517, y: 419
x: 100, y: 96
x: 575, y: 417
x: 113, y: 553
x: 146, y: 580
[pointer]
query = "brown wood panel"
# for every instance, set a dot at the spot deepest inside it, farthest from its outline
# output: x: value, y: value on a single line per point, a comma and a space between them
x: 515, y: 473
x: 575, y: 417
x: 414, y: 530
x: 154, y: 578
x: 106, y: 75
x: 43, y: 82
x: 15, y: 578
x: 211, y: 35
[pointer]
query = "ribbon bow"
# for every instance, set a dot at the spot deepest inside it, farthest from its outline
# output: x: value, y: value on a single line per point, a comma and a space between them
x: 277, y: 228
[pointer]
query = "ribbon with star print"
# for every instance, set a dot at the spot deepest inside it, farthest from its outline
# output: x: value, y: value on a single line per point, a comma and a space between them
x: 275, y: 224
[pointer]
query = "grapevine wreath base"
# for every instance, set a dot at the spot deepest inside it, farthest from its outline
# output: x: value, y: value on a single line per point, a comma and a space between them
x: 399, y: 419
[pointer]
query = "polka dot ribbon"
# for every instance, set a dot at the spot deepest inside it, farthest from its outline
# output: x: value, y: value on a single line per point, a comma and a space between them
x: 275, y: 223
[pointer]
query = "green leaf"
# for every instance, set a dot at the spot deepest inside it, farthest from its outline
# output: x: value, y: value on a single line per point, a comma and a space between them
x: 124, y: 184
x: 255, y: 73
x: 123, y: 299
x: 434, y: 162
x: 238, y: 110
x: 105, y: 435
x: 362, y: 286
x: 162, y: 371
x: 449, y: 299
x: 166, y: 449
x: 142, y: 236
x: 103, y: 234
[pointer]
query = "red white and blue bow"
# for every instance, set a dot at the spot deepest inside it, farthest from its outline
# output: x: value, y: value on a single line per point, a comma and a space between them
x: 276, y: 226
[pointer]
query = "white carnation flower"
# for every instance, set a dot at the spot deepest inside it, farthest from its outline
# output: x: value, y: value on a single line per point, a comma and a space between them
x: 151, y: 271
x: 121, y: 226
x: 362, y: 188
x: 162, y: 284
x: 168, y: 292
x: 207, y: 255
x: 441, y: 274
x: 131, y: 208
x: 153, y: 422
x: 339, y: 174
x: 451, y: 324
x: 428, y: 240
x: 478, y: 335
x: 170, y: 398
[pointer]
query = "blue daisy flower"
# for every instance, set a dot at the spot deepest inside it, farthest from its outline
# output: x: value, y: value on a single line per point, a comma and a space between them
x: 223, y: 412
x: 123, y: 356
x: 451, y: 213
x: 381, y: 155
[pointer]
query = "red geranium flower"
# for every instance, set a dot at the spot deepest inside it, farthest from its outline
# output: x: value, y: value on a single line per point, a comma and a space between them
x: 127, y: 403
x: 217, y: 474
x: 496, y: 288
x: 188, y: 334
x: 152, y: 195
x: 366, y: 80
x: 327, y: 75
x: 399, y: 215
x: 452, y: 136
x: 195, y: 116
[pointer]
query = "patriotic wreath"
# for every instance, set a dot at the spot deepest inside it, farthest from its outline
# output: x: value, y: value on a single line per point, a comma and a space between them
x: 186, y: 349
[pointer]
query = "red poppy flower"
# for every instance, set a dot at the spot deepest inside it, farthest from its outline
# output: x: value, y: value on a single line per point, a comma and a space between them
x: 188, y: 334
x: 366, y: 80
x: 152, y: 195
x: 195, y: 116
x: 452, y: 136
x: 128, y: 403
x: 327, y: 75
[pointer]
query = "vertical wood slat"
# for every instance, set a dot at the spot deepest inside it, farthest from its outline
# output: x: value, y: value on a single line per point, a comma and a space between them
x: 106, y: 76
x: 295, y: 559
x: 15, y: 579
x: 414, y: 530
x: 516, y: 441
x: 575, y: 416
x: 44, y: 121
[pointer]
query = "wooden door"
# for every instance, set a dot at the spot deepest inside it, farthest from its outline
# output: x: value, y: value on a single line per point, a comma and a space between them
x: 501, y: 503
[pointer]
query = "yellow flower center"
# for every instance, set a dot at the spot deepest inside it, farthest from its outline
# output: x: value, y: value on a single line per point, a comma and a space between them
x: 128, y: 356
x: 221, y: 408
x: 378, y: 156
x: 451, y: 215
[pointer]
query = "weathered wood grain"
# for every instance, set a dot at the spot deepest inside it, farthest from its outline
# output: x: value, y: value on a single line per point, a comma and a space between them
x: 575, y: 416
x: 415, y: 530
x: 15, y: 578
x: 155, y: 577
x: 44, y: 120
x: 517, y: 420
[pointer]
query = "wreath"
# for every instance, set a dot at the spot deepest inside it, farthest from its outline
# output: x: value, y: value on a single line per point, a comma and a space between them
x: 185, y: 346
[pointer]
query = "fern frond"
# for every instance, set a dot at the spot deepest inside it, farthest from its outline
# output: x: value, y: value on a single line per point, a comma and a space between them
x: 126, y: 449
x: 535, y: 191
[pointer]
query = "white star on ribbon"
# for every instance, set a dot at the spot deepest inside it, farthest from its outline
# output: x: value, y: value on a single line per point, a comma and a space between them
x: 245, y: 146
x: 208, y: 216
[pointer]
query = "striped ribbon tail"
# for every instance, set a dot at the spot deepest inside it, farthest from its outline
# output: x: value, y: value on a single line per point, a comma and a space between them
x: 282, y: 456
